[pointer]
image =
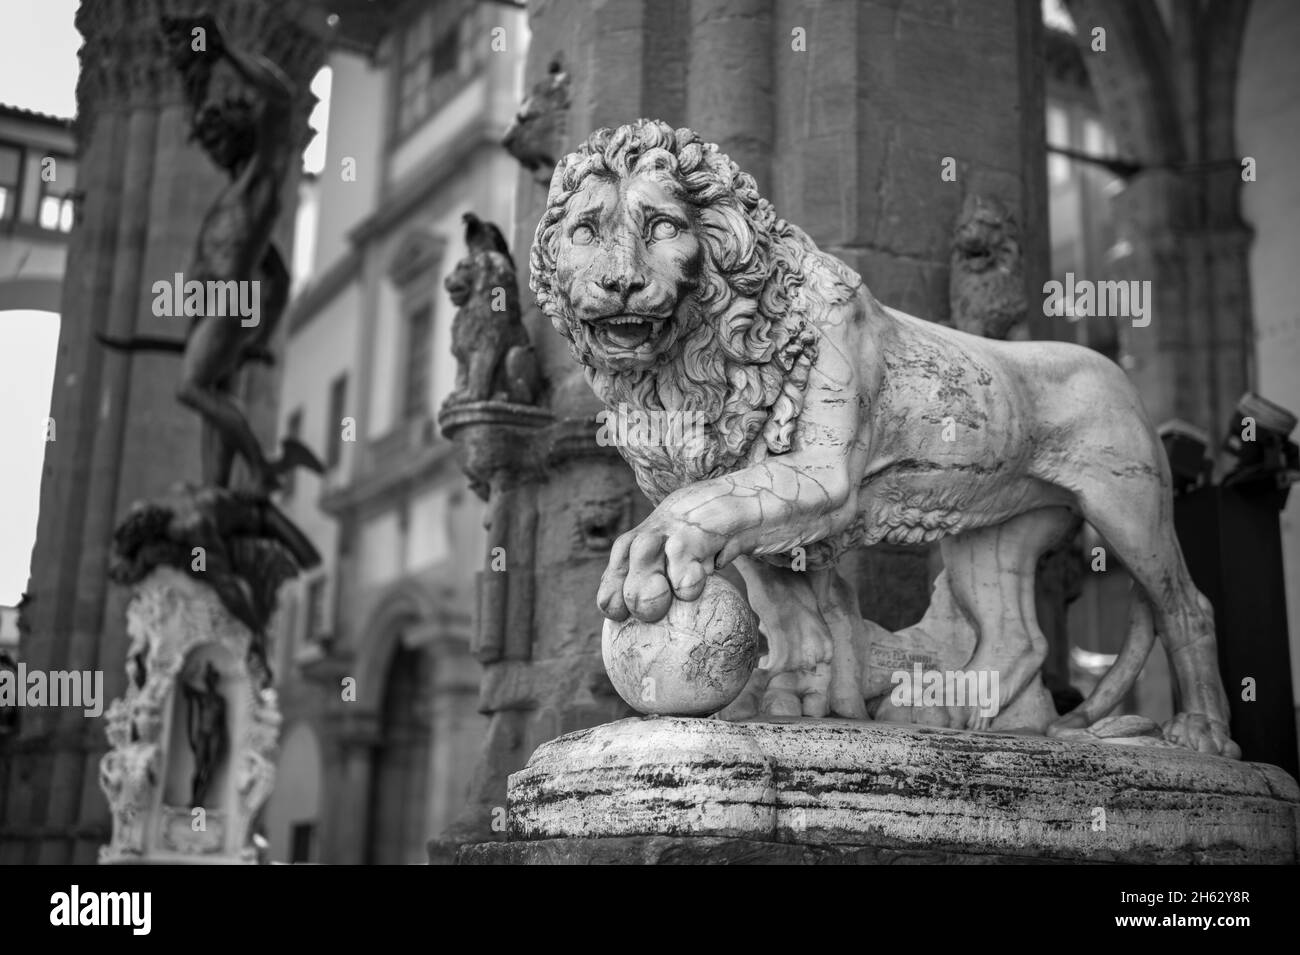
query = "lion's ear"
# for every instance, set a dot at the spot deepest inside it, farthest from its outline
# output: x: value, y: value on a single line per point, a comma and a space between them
x: 557, y: 178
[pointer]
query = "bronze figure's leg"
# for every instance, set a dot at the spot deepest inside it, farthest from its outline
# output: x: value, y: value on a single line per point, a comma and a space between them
x: 217, y: 451
x: 213, y: 349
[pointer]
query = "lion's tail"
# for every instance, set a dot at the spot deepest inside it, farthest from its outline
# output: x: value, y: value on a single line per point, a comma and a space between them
x: 1128, y: 664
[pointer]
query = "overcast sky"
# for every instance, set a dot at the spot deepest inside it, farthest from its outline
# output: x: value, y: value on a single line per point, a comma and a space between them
x: 38, y: 55
x: 38, y: 71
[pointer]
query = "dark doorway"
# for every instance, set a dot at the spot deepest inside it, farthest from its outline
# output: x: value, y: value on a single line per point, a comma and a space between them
x: 399, y: 798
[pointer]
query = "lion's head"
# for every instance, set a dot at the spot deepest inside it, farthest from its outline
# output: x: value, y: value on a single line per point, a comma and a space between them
x: 680, y: 289
x: 460, y: 281
x: 478, y: 276
x: 986, y: 288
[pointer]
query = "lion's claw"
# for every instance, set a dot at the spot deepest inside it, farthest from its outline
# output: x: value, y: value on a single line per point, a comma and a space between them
x: 663, y: 559
x: 1202, y: 734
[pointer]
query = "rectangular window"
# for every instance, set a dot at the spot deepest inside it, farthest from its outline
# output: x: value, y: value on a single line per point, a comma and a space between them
x: 419, y: 356
x: 446, y: 52
x: 11, y: 161
x: 1058, y: 134
x: 317, y: 611
x: 429, y: 61
x: 292, y: 429
x: 291, y: 602
x: 414, y: 76
x: 301, y: 837
x: 56, y: 206
x: 334, y: 434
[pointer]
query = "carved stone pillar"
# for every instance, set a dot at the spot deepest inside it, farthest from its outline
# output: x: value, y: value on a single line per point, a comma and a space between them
x: 582, y: 496
x: 349, y: 757
x: 121, y: 434
x: 555, y: 502
x: 194, y: 738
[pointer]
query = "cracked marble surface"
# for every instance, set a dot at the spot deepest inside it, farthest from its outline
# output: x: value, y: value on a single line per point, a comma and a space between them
x: 834, y: 421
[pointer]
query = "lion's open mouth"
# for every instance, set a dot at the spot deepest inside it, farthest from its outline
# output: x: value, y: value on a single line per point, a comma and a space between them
x: 626, y: 332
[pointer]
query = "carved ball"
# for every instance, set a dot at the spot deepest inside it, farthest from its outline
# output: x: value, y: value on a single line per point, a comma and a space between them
x: 693, y: 662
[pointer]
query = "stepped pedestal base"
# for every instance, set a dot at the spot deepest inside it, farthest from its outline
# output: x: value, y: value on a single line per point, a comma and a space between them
x: 666, y: 790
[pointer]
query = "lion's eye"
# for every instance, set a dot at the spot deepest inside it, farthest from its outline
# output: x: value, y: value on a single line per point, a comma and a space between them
x: 582, y: 235
x: 663, y: 229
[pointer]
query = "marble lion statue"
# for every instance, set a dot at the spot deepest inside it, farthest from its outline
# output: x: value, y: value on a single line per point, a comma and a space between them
x: 833, y: 422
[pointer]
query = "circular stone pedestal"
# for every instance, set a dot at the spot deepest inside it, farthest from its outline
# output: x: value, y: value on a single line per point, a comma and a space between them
x: 670, y: 789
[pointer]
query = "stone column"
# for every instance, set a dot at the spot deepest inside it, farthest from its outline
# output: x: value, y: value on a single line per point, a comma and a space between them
x: 870, y: 99
x: 121, y: 434
x: 189, y: 682
x: 729, y: 94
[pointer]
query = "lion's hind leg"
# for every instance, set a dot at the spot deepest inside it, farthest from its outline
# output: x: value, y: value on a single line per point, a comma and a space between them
x: 992, y: 573
x: 983, y: 617
x: 1134, y: 516
x: 850, y: 637
x: 800, y: 646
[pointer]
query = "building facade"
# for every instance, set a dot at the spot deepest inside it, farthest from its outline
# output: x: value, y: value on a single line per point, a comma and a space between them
x: 378, y: 687
x: 38, y: 181
x: 38, y: 190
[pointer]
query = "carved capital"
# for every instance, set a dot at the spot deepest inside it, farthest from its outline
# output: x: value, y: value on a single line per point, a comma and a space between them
x: 498, y: 440
x: 124, y: 62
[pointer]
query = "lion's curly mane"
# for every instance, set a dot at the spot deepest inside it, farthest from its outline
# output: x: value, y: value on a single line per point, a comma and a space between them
x: 743, y: 361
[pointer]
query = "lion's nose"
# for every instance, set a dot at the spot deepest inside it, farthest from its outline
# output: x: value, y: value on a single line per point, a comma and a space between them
x: 625, y: 284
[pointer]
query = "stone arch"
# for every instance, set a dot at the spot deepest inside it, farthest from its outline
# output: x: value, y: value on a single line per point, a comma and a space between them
x: 1166, y: 86
x: 404, y: 602
x: 395, y: 681
x: 1132, y: 79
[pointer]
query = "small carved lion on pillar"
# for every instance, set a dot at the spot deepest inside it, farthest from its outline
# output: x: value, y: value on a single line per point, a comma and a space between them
x: 986, y: 283
x: 494, y: 359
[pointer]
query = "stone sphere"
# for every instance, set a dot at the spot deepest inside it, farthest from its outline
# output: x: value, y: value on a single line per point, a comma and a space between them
x: 693, y: 662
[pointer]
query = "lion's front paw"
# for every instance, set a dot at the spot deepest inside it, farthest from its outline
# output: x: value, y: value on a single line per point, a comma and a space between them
x: 750, y: 702
x: 801, y: 692
x: 663, y: 559
x: 1201, y: 733
x: 1073, y: 724
x: 889, y: 712
x: 968, y: 718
